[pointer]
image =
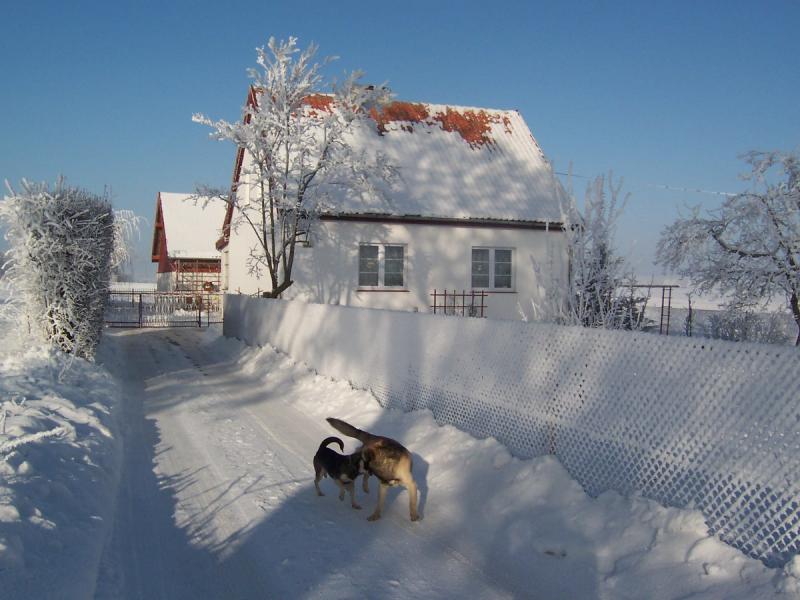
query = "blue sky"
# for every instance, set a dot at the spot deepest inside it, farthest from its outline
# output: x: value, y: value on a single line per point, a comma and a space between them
x: 662, y: 93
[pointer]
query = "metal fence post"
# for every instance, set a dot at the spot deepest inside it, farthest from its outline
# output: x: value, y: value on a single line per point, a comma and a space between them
x: 140, y: 310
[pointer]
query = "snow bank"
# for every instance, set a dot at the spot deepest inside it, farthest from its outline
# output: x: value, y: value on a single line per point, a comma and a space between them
x: 526, y: 524
x: 58, y: 473
x: 709, y: 424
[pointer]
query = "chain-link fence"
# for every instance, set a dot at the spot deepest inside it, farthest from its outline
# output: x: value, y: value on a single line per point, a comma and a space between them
x: 711, y: 424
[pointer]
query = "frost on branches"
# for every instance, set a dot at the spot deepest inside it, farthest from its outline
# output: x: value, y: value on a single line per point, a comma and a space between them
x: 127, y: 229
x: 295, y: 149
x: 749, y: 248
x: 599, y: 294
x: 58, y: 264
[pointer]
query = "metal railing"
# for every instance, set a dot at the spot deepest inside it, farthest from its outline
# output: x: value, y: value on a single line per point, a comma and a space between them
x: 463, y: 303
x: 147, y: 308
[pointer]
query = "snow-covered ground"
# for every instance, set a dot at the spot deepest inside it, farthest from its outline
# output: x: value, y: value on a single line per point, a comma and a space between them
x: 216, y: 497
x: 59, y: 469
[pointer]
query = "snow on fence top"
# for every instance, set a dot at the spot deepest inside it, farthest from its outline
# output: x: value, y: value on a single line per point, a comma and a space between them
x: 192, y: 227
x: 706, y: 423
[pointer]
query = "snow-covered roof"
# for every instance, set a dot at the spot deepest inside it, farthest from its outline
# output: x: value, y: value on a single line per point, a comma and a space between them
x: 192, y: 226
x: 457, y: 162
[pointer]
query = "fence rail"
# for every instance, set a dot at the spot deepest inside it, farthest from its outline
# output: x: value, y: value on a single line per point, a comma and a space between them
x: 463, y: 303
x: 148, y: 308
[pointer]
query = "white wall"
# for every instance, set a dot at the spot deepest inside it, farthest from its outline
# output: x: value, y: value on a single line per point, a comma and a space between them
x: 437, y: 257
x: 684, y: 421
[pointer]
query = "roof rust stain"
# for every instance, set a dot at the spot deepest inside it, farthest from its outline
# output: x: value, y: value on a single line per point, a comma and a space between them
x: 318, y: 102
x: 474, y: 126
x: 408, y: 112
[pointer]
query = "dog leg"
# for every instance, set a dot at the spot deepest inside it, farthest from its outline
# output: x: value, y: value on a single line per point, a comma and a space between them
x: 316, y: 482
x: 365, y: 483
x: 411, y: 486
x: 379, y: 509
x: 351, y: 487
x: 341, y: 489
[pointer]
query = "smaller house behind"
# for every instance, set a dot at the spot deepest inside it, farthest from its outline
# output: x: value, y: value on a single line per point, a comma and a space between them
x: 183, y: 243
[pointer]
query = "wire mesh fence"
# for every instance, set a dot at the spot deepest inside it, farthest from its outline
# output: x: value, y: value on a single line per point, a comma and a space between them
x: 709, y: 424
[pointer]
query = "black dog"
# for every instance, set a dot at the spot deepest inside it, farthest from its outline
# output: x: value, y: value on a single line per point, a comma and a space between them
x: 343, y: 469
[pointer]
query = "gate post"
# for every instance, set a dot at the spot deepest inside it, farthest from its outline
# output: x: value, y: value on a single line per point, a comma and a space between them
x: 140, y: 310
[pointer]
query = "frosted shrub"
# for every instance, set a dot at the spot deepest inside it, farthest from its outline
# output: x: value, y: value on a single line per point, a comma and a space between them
x: 58, y: 264
x: 599, y: 293
x: 746, y: 326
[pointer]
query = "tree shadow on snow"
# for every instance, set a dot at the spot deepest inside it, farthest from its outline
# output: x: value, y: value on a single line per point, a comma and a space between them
x: 298, y: 545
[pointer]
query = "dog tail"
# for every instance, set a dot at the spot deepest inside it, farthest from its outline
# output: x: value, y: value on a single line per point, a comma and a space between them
x: 349, y: 430
x: 332, y: 439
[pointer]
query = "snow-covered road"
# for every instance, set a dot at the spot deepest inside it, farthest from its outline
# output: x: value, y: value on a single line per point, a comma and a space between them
x: 217, y: 499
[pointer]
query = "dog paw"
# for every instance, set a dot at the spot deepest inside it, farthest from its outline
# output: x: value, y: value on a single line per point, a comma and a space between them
x: 373, y: 517
x: 356, y: 506
x: 415, y: 517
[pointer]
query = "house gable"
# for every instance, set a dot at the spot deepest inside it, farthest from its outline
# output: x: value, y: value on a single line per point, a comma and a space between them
x: 159, y: 249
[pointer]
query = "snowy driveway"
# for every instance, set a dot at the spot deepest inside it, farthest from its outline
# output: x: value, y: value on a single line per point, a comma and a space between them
x: 217, y: 501
x: 217, y: 497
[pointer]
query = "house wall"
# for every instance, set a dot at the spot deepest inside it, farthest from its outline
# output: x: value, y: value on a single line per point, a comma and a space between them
x: 188, y: 275
x: 437, y: 257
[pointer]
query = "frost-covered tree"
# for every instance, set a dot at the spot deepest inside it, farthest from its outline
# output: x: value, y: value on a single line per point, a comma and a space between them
x: 749, y: 248
x: 600, y: 294
x: 294, y: 135
x: 127, y: 229
x: 58, y: 262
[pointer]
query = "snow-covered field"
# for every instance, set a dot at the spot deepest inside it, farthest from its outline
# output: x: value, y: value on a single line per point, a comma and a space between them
x: 215, y: 495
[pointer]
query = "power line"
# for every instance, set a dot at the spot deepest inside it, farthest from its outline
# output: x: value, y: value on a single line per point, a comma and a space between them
x: 672, y: 188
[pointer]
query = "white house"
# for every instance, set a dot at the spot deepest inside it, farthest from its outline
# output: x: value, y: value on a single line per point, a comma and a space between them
x: 476, y: 207
x: 184, y: 236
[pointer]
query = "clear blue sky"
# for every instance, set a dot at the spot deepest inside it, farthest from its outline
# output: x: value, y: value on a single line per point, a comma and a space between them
x: 661, y: 92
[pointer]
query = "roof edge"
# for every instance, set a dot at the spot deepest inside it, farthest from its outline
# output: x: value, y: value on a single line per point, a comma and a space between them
x: 445, y: 221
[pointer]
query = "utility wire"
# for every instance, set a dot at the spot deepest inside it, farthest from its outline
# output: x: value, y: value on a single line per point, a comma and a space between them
x: 671, y: 188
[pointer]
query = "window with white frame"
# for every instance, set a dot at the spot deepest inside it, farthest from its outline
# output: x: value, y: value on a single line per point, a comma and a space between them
x: 381, y: 265
x: 492, y: 268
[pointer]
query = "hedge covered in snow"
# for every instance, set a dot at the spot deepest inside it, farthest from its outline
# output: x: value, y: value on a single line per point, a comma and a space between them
x: 58, y: 266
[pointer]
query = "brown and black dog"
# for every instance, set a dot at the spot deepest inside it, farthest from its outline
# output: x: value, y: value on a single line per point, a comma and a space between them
x: 343, y: 469
x: 388, y: 460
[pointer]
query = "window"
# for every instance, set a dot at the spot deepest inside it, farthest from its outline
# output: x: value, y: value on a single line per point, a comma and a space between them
x: 381, y: 265
x: 491, y: 268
